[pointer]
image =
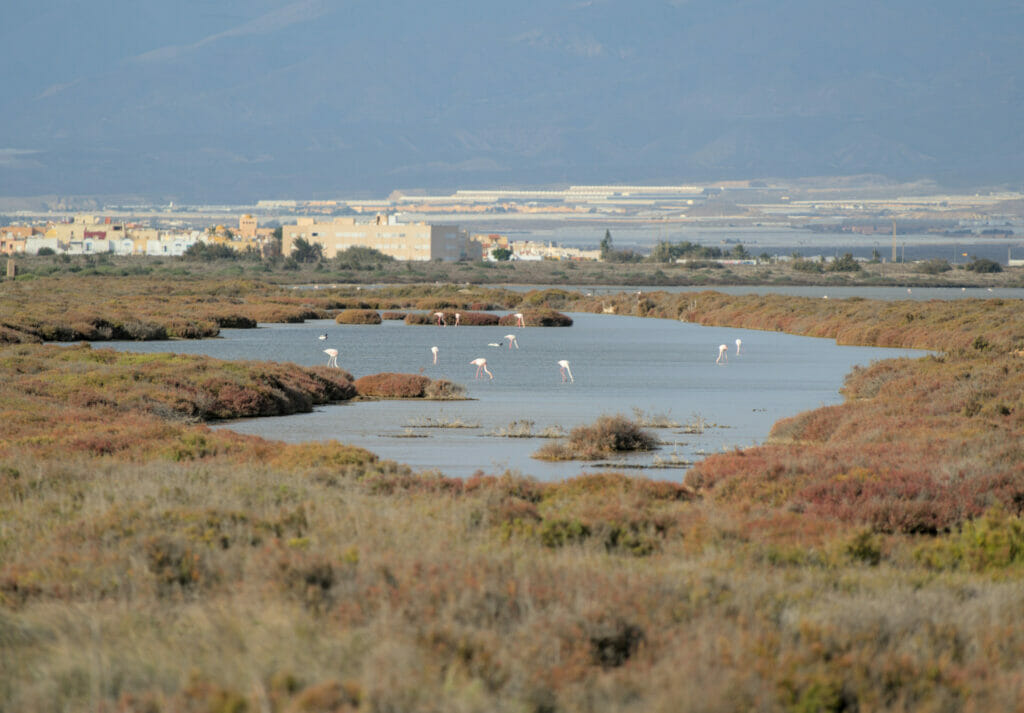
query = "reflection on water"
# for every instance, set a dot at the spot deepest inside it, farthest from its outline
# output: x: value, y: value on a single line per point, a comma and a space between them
x: 620, y: 365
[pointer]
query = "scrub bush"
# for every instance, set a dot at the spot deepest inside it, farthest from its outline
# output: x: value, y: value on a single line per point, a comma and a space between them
x: 358, y: 316
x: 538, y: 318
x: 477, y: 319
x: 389, y: 385
x: 607, y: 436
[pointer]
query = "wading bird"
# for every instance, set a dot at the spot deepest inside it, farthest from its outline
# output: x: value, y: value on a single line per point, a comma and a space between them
x: 439, y: 316
x: 723, y: 354
x: 563, y: 367
x: 520, y: 322
x: 322, y: 337
x: 512, y: 340
x: 481, y: 366
x: 433, y: 350
x: 738, y: 343
x: 332, y: 357
x: 493, y: 344
x: 458, y: 318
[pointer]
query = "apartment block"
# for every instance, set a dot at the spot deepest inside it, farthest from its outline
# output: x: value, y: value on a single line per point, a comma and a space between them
x: 402, y: 241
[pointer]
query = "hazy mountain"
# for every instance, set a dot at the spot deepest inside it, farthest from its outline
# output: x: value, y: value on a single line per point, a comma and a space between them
x: 243, y: 99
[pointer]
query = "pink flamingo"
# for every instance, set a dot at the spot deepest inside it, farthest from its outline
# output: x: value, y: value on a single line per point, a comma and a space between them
x: 563, y: 367
x: 434, y: 351
x: 520, y: 322
x: 481, y: 365
x: 439, y: 316
x: 457, y: 318
x: 512, y: 340
x: 332, y: 357
x: 738, y: 343
x: 723, y: 354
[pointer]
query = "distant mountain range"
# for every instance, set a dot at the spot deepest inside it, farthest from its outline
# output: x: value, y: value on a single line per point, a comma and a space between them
x: 246, y: 99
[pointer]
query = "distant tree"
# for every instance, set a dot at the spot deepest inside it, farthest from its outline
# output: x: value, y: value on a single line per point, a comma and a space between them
x: 846, y: 263
x: 662, y: 252
x: 623, y: 256
x: 273, y: 249
x: 934, y: 266
x: 807, y: 265
x: 501, y: 254
x: 358, y: 257
x: 305, y: 251
x: 46, y: 251
x: 209, y: 251
x: 740, y: 253
x: 606, y: 244
x: 876, y: 256
x: 764, y: 257
x: 981, y: 264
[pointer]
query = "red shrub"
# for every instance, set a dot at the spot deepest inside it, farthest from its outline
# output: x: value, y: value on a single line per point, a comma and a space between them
x: 477, y: 319
x: 392, y: 386
x: 538, y: 318
x: 358, y: 316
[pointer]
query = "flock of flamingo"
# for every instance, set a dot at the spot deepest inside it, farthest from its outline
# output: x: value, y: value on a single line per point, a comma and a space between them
x: 481, y: 363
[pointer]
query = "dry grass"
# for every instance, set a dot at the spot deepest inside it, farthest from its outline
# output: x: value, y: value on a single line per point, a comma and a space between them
x: 148, y: 563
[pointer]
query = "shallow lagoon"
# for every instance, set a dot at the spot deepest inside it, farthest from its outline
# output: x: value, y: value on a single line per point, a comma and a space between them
x: 620, y: 364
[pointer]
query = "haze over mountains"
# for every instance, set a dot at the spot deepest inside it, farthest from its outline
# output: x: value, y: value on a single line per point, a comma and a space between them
x: 237, y: 100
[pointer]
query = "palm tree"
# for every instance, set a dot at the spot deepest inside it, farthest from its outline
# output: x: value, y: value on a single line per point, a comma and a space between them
x: 305, y: 251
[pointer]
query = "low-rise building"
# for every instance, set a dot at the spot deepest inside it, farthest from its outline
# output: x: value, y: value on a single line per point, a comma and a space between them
x: 12, y: 245
x: 532, y: 250
x: 36, y: 243
x: 402, y: 241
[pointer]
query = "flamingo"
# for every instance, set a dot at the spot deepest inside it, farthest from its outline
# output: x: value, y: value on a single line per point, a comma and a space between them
x: 322, y: 337
x: 493, y: 344
x: 481, y: 365
x: 512, y: 340
x: 723, y: 354
x: 520, y: 322
x: 434, y: 351
x: 563, y: 367
x: 738, y: 343
x: 332, y: 357
x: 457, y: 318
x: 439, y: 316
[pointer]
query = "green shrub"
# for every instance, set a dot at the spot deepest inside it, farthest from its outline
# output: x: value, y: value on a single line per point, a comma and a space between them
x: 561, y: 532
x: 846, y: 263
x: 981, y: 264
x: 934, y: 266
x: 994, y: 541
x: 802, y: 265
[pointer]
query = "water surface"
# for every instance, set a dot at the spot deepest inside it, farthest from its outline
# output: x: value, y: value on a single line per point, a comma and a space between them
x: 620, y: 365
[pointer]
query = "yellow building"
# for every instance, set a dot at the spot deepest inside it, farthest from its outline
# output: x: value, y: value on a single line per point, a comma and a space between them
x: 247, y: 226
x: 402, y: 241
